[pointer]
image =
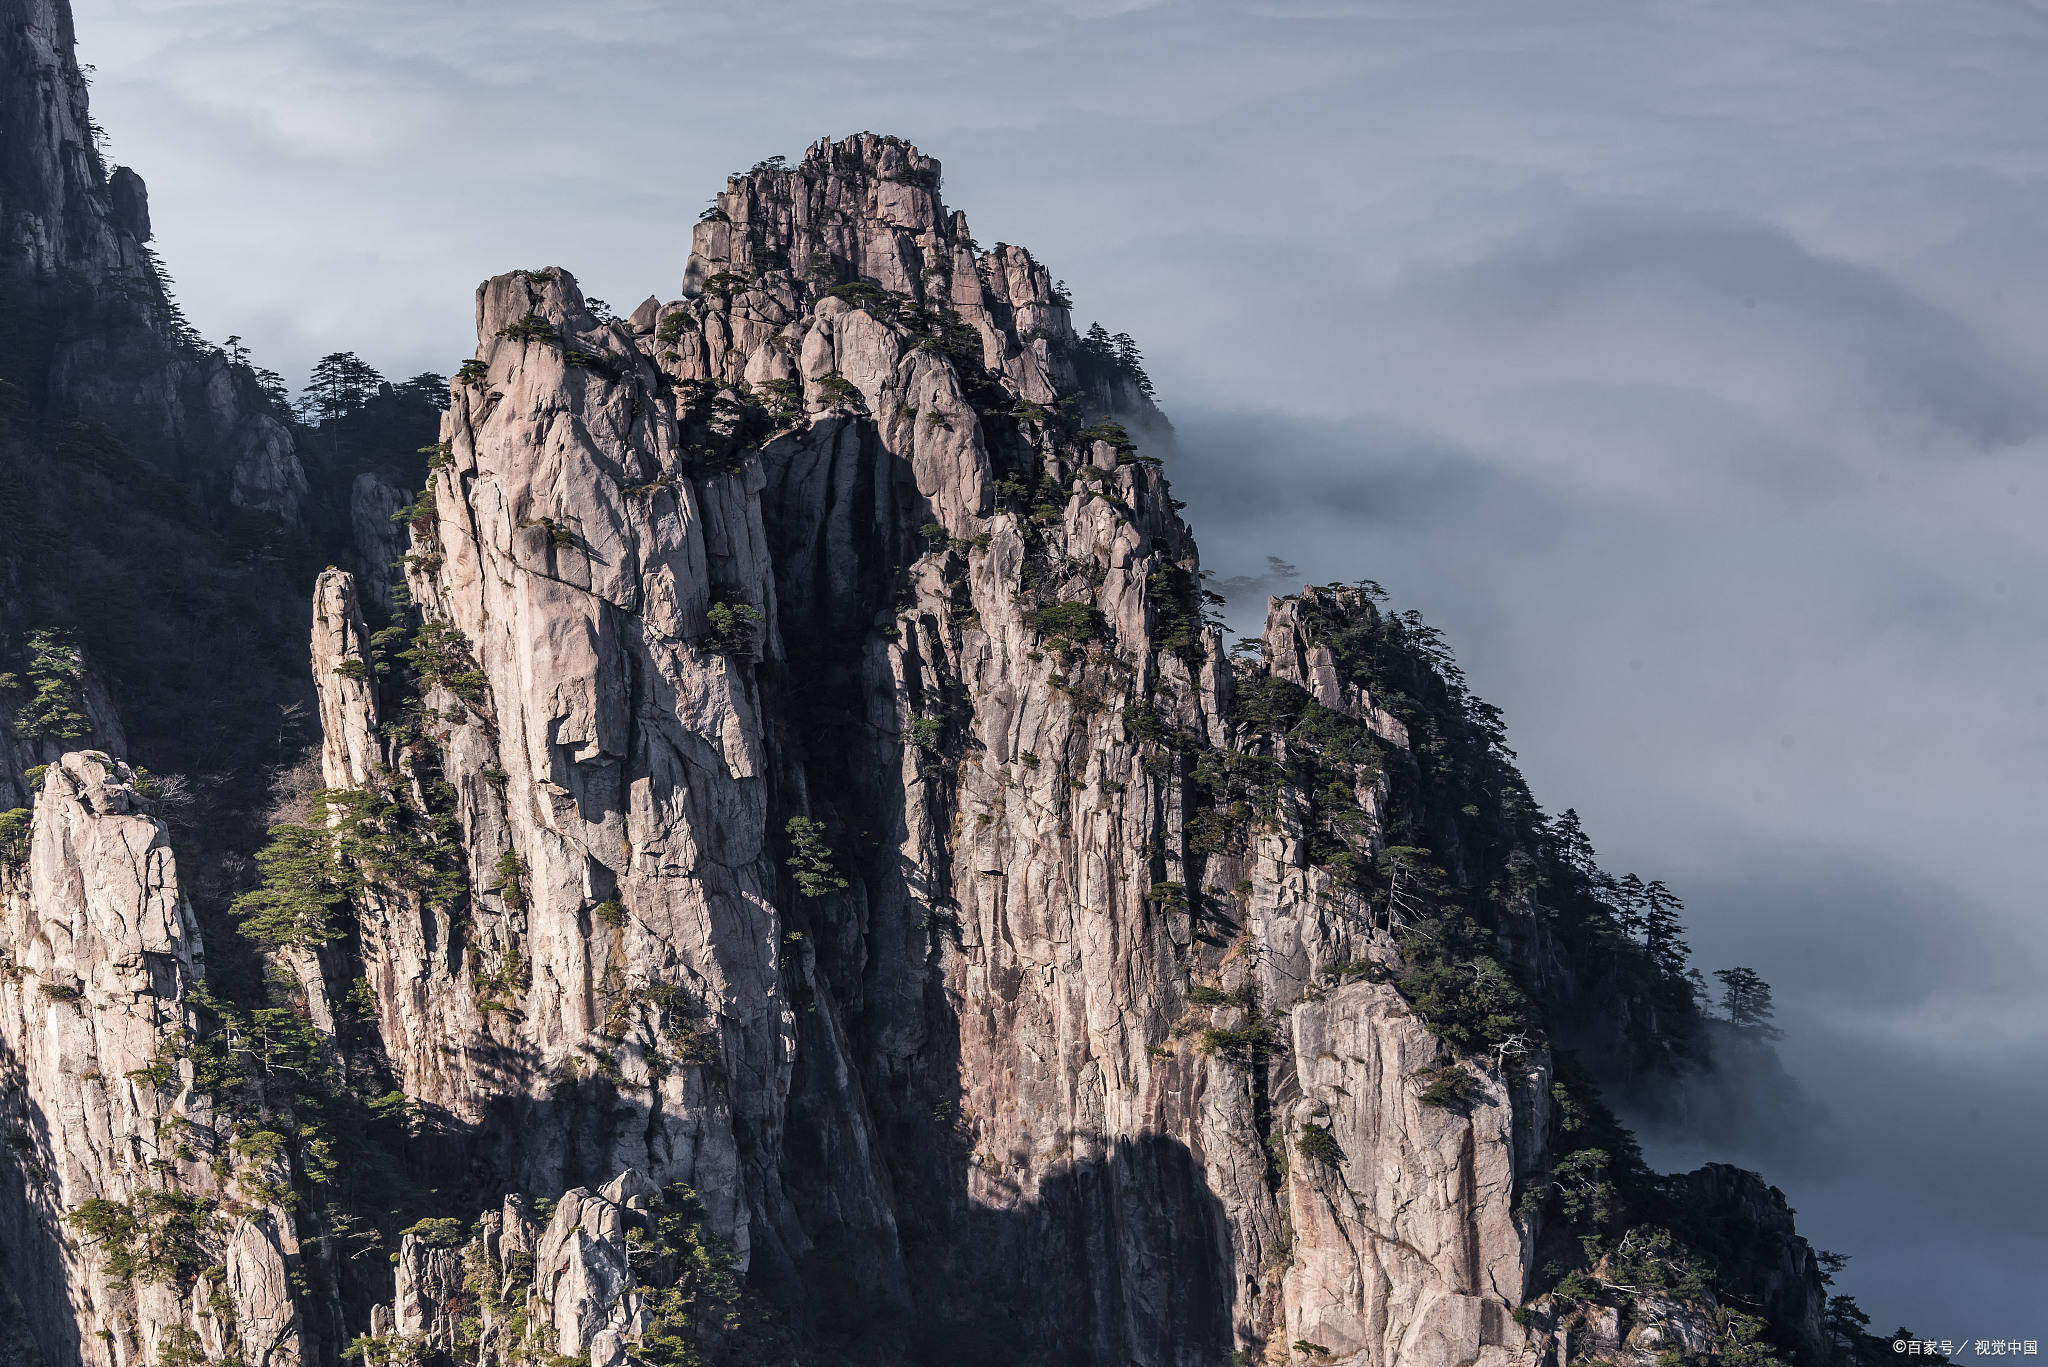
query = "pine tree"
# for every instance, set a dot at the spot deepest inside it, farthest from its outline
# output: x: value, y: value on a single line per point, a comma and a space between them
x: 340, y: 384
x: 1132, y: 362
x: 1570, y: 845
x: 427, y: 387
x: 1628, y: 897
x: 1746, y: 1001
x: 1664, y: 931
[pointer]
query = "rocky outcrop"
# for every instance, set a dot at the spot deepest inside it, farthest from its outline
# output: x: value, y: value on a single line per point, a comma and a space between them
x: 811, y: 546
x: 378, y: 541
x: 803, y: 881
x: 351, y: 753
x: 120, y: 1240
x: 1770, y: 1266
x: 1406, y: 1245
x: 562, y: 1285
x: 75, y: 246
x: 63, y: 214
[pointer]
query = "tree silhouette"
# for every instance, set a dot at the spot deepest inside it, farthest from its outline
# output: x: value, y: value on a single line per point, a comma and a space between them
x: 427, y: 387
x: 1571, y: 846
x: 1664, y: 931
x: 1746, y: 1001
x: 341, y: 383
x: 1626, y: 894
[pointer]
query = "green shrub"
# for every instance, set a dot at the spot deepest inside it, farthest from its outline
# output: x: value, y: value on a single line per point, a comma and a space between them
x: 559, y: 535
x: 605, y: 363
x: 707, y: 1313
x: 1169, y: 896
x: 1176, y: 597
x: 387, y: 1350
x: 531, y: 328
x: 14, y: 833
x: 309, y: 871
x: 511, y: 884
x: 162, y: 1069
x: 301, y: 885
x: 179, y: 1346
x: 672, y: 327
x: 439, y: 1231
x: 1202, y: 995
x: 1318, y: 1145
x: 419, y: 514
x: 858, y: 293
x: 1448, y: 1086
x: 784, y: 399
x: 610, y: 912
x: 840, y: 392
x: 438, y: 655
x: 733, y: 625
x: 1240, y: 1048
x: 54, y: 678
x: 811, y: 859
x: 926, y: 733
x: 694, y: 1046
x: 1472, y: 1004
x: 1068, y: 623
x: 721, y: 284
x: 498, y: 988
x: 1143, y: 725
x: 157, y: 1237
x: 1113, y: 433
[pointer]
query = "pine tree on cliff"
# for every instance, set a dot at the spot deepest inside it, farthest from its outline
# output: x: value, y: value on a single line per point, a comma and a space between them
x: 1746, y: 1001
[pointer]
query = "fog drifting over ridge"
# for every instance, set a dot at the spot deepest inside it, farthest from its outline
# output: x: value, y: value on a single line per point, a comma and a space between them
x: 1682, y: 363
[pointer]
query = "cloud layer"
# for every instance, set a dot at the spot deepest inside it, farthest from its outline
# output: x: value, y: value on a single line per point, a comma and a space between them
x: 1682, y: 361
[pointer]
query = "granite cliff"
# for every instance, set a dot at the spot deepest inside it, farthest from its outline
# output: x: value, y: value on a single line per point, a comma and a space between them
x: 794, y: 875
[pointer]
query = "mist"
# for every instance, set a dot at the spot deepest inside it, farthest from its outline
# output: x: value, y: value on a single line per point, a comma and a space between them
x: 1796, y: 720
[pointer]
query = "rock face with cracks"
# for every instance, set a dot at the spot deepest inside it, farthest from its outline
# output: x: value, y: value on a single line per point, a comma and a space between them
x: 816, y: 543
x: 102, y: 1120
x: 807, y: 879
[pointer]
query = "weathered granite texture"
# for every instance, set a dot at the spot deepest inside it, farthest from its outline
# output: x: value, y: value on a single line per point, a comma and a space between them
x: 101, y: 958
x: 811, y: 701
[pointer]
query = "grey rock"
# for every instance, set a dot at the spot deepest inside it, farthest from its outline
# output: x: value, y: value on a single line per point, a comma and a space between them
x: 379, y: 541
x: 814, y: 717
x: 102, y: 954
x: 578, y: 549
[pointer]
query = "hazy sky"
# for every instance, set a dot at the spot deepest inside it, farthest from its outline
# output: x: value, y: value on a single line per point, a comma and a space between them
x: 1681, y: 360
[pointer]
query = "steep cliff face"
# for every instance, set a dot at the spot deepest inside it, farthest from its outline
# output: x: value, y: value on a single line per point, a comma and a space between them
x: 810, y: 570
x: 98, y: 336
x: 806, y: 883
x: 156, y: 507
x: 123, y: 1240
x: 64, y: 213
